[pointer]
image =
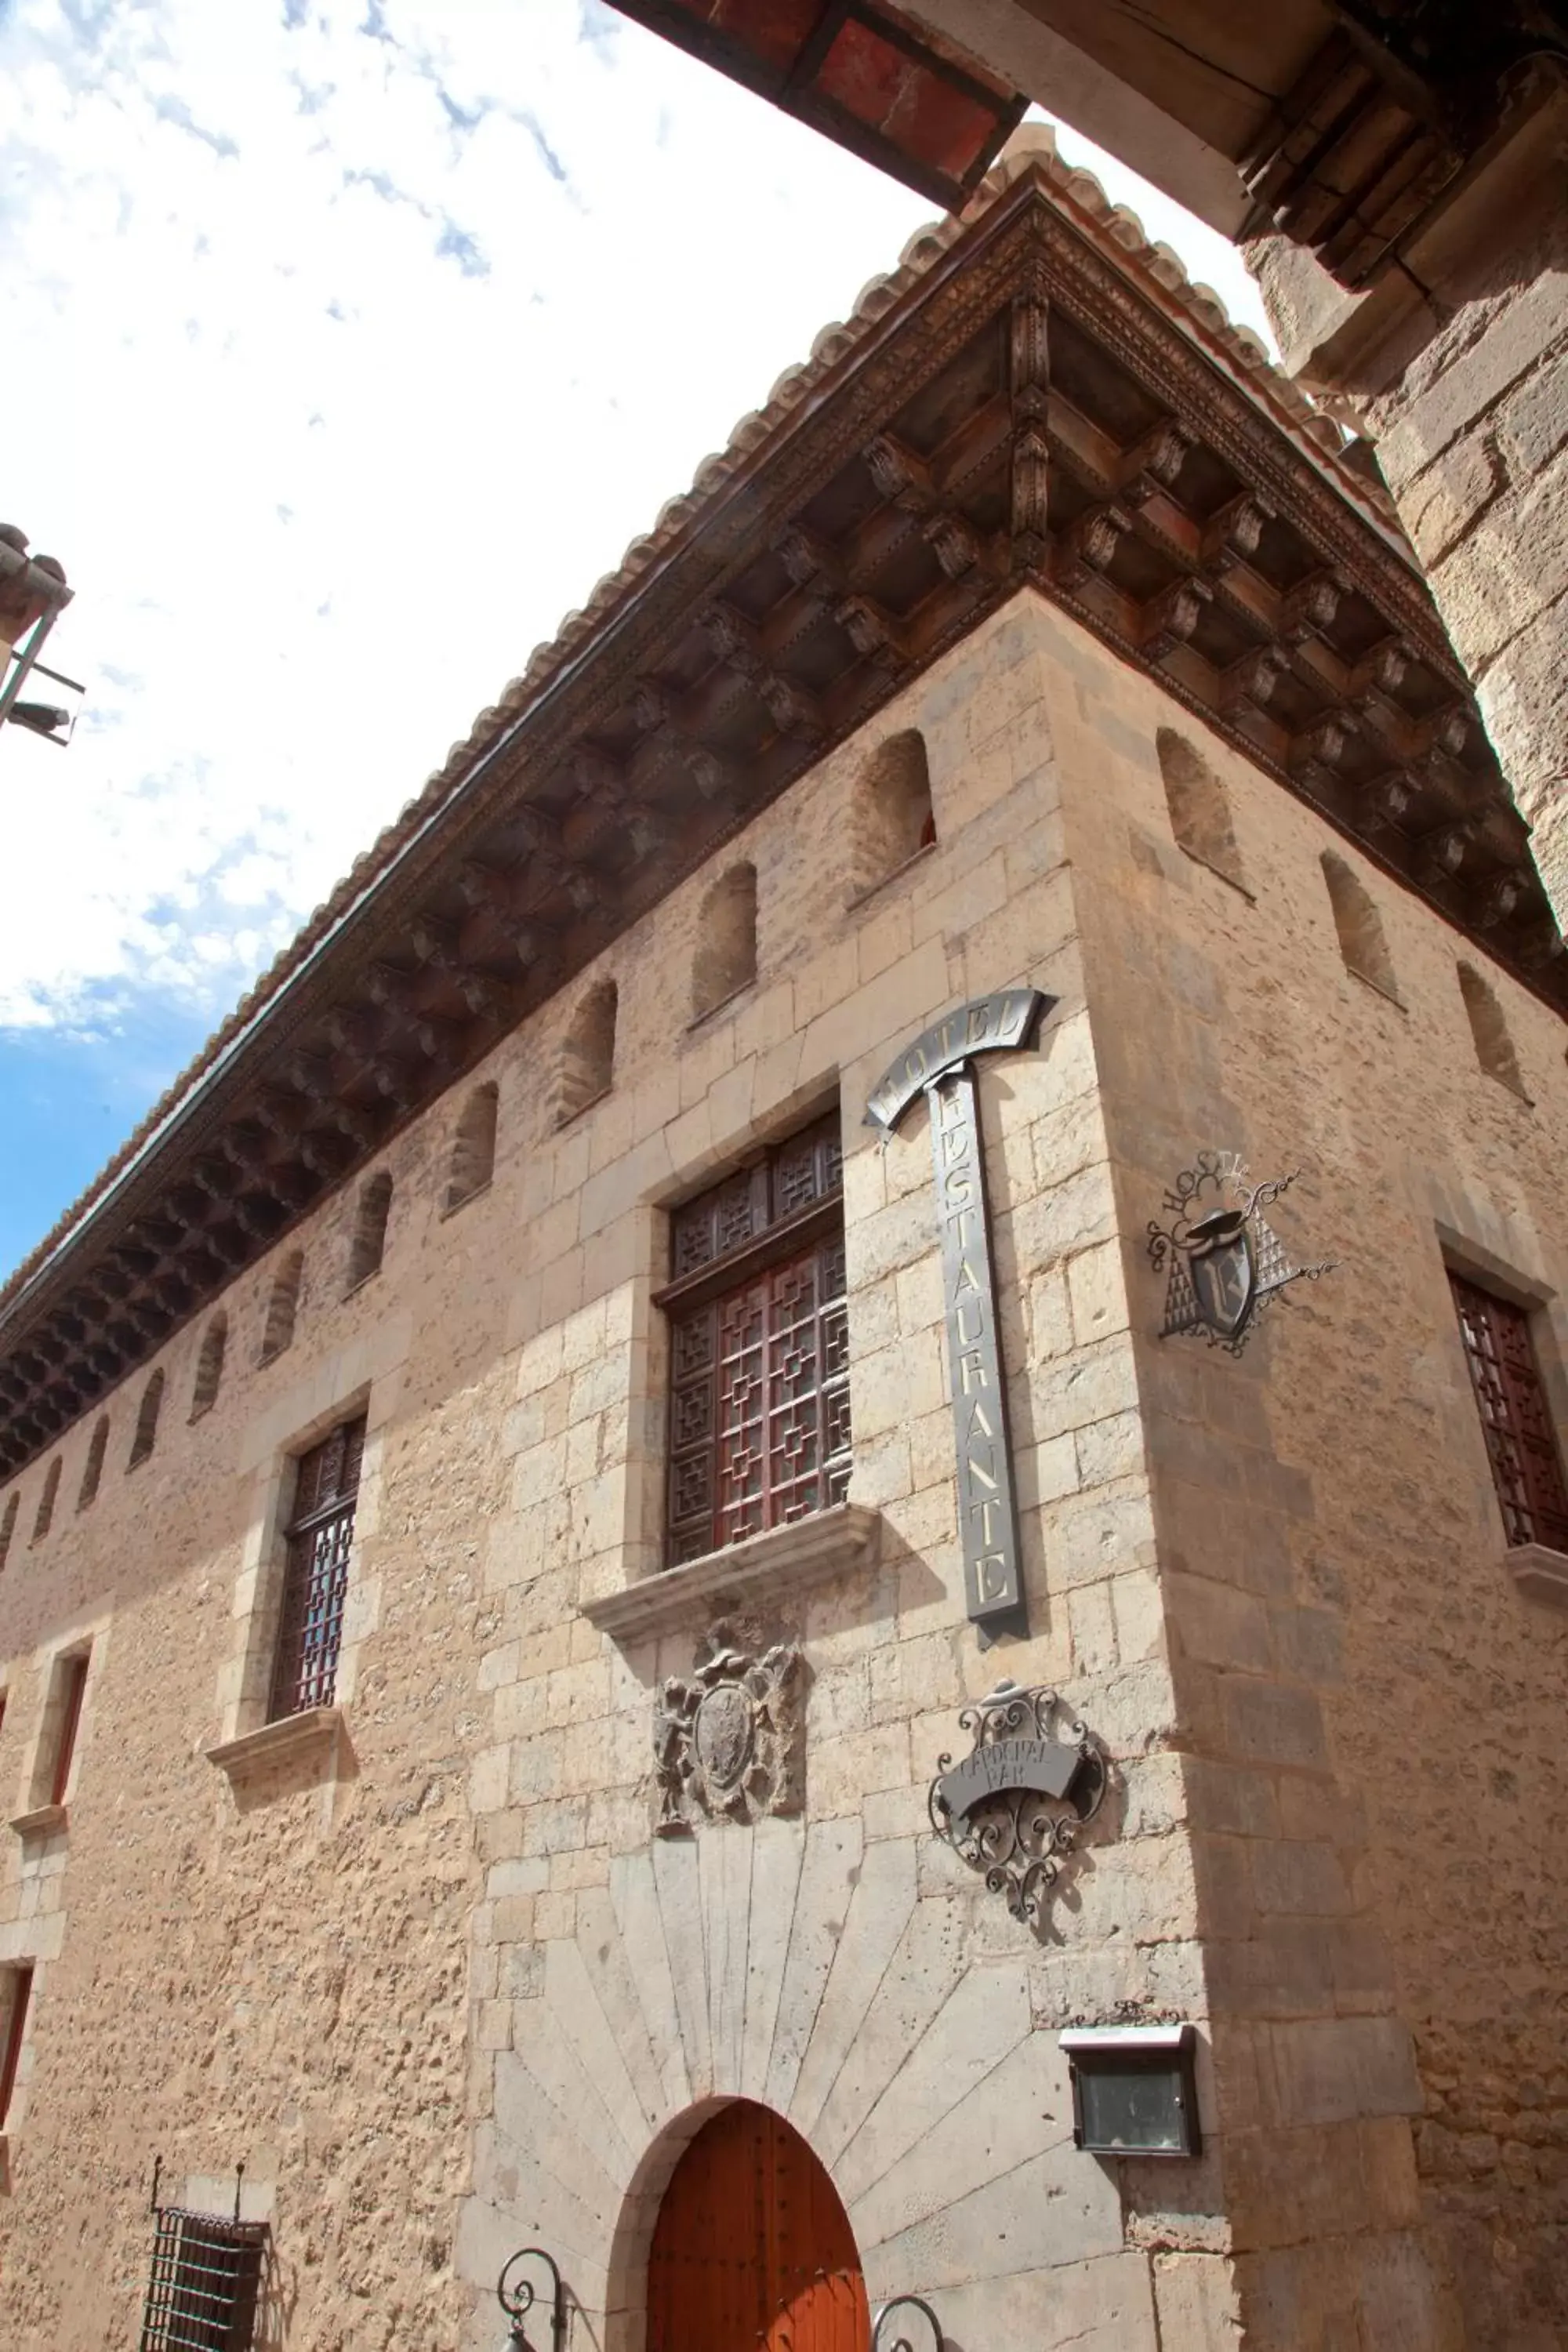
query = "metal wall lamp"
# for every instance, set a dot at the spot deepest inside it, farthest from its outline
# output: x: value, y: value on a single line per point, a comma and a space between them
x: 1133, y: 2091
x: 517, y: 2295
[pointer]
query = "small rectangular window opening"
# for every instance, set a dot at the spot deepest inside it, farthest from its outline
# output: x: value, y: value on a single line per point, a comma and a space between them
x: 204, y: 2291
x: 1521, y: 1443
x: 16, y: 1993
x: 320, y: 1538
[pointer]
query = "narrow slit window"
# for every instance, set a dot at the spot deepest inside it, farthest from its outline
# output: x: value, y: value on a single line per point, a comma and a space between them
x: 209, y: 1366
x: 726, y: 958
x: 8, y: 1525
x: 70, y: 1690
x: 473, y: 1146
x: 282, y: 1307
x: 44, y: 1517
x: 92, y: 1468
x: 1199, y: 810
x: 759, y: 1353
x: 17, y: 1992
x: 1489, y: 1031
x: 319, y: 1539
x: 1516, y: 1419
x: 587, y: 1067
x: 146, y: 1433
x: 369, y: 1245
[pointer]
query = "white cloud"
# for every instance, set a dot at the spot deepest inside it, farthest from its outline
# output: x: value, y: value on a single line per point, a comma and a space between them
x: 360, y: 336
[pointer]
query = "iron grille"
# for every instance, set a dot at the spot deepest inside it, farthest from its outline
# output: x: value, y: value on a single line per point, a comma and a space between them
x: 316, y: 1576
x: 1527, y: 1469
x: 205, y: 2286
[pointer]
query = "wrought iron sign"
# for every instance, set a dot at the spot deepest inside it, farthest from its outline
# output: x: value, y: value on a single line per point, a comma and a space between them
x: 1225, y: 1263
x: 728, y: 1738
x: 938, y: 1066
x: 1015, y: 1806
x: 517, y: 2295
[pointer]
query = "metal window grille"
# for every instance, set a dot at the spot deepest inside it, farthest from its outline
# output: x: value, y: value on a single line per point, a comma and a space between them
x: 205, y: 2291
x: 1527, y: 1469
x: 315, y: 1578
x: 760, y: 1366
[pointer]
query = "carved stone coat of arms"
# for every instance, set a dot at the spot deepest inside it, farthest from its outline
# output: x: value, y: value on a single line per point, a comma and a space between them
x: 726, y: 1739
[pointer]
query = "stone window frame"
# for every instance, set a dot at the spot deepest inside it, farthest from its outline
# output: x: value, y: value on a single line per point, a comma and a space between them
x: 17, y: 2049
x: 1540, y: 1573
x: 41, y: 1818
x: 249, y: 1737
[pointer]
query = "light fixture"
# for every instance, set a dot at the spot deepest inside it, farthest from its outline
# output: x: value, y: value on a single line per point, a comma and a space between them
x: 1133, y: 2091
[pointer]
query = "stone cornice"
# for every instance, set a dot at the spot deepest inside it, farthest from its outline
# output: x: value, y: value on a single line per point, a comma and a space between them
x: 1027, y: 403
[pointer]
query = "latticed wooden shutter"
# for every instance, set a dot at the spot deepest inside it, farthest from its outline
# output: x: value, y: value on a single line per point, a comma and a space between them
x: 1527, y: 1468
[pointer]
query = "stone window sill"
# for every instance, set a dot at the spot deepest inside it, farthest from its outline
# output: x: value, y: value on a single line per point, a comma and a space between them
x: 1378, y: 988
x: 805, y: 1552
x: 44, y: 1820
x: 310, y: 1736
x: 723, y: 1005
x: 894, y: 873
x: 1223, y: 872
x: 1541, y: 1574
x: 476, y: 1192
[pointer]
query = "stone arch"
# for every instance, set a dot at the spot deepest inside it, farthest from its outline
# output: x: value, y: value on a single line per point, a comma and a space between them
x: 92, y: 1468
x: 282, y: 1307
x: 473, y: 1145
x: 1199, y: 808
x: 802, y: 1969
x: 209, y: 1366
x: 1489, y: 1030
x: 586, y: 1069
x: 44, y: 1517
x: 145, y: 1437
x: 369, y: 1244
x: 726, y: 957
x: 893, y: 819
x: 1359, y: 925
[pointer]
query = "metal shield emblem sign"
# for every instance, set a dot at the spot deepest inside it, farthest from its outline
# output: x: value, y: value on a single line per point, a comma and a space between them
x: 1223, y: 1277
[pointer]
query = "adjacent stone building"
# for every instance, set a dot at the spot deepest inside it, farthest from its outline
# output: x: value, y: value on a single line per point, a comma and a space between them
x: 491, y: 1565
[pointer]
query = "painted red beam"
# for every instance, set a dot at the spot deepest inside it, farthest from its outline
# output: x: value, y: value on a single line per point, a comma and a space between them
x: 860, y: 71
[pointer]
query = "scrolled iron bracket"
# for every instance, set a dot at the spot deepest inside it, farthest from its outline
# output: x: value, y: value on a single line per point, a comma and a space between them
x: 886, y: 2338
x: 1014, y: 1808
x: 517, y: 2295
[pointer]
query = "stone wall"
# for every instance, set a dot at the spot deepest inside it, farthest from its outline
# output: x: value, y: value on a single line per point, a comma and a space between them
x: 1465, y: 400
x: 1370, y: 1709
x: 840, y: 1965
x: 437, y: 1983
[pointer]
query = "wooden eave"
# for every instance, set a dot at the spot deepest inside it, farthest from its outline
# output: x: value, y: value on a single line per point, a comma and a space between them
x: 1030, y: 401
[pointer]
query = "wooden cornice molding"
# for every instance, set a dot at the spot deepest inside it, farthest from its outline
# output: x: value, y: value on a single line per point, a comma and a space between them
x: 1028, y: 402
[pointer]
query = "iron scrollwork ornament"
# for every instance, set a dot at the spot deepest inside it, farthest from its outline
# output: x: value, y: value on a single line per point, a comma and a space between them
x: 727, y: 1737
x: 1014, y: 1808
x: 1226, y: 1262
x: 517, y: 2295
x: 891, y: 2330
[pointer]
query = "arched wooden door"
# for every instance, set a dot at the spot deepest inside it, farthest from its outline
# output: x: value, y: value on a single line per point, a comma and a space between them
x: 752, y: 2248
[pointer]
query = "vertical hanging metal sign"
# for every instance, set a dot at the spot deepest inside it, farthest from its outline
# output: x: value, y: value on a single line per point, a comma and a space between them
x: 938, y: 1066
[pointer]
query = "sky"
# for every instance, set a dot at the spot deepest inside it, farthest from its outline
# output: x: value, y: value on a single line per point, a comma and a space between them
x: 343, y: 349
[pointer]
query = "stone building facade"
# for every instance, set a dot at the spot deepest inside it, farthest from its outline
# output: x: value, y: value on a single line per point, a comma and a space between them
x: 444, y: 1917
